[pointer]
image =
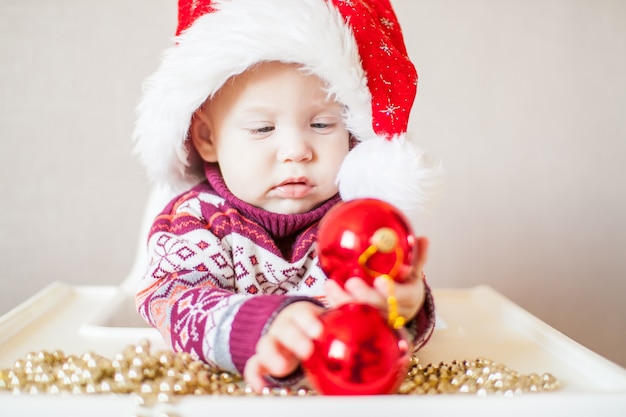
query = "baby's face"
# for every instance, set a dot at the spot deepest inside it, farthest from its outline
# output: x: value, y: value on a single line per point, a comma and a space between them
x: 278, y: 140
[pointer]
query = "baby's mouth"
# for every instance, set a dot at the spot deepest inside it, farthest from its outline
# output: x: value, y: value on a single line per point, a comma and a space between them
x: 294, y: 188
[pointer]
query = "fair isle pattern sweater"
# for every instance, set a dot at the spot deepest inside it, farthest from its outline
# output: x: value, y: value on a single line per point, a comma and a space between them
x: 220, y: 270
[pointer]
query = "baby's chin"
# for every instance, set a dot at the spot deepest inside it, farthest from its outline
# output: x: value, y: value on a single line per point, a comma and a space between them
x: 291, y: 206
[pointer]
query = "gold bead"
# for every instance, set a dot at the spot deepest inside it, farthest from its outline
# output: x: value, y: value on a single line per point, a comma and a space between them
x: 419, y: 391
x: 406, y: 386
x: 66, y: 381
x: 149, y: 373
x: 140, y: 350
x: 105, y: 386
x: 549, y: 382
x: 184, y: 357
x: 119, y: 377
x: 58, y: 355
x: 166, y: 385
x: 15, y: 380
x: 226, y: 377
x: 76, y: 379
x: 419, y: 379
x: 4, y: 379
x: 204, y: 378
x: 19, y: 364
x: 163, y: 397
x: 196, y: 366
x: 136, y: 361
x: 145, y: 345
x: 179, y: 387
x: 147, y: 388
x: 166, y: 358
x: 53, y: 389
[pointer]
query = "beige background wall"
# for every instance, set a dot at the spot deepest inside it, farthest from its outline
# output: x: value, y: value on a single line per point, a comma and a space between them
x: 524, y: 102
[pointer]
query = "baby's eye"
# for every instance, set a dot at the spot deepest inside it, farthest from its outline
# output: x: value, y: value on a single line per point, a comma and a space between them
x: 263, y: 129
x: 322, y: 125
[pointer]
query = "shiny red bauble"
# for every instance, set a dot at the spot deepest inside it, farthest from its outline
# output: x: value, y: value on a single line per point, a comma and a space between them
x: 365, y: 238
x: 357, y: 354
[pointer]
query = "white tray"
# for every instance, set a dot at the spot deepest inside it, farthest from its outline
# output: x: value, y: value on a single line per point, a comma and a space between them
x: 472, y: 323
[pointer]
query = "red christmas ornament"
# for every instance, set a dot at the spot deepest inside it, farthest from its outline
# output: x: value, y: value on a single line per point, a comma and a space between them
x: 358, y: 353
x: 365, y: 238
x: 361, y: 352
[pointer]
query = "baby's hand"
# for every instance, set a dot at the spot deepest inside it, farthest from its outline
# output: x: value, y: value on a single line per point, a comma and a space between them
x: 288, y: 341
x: 409, y: 294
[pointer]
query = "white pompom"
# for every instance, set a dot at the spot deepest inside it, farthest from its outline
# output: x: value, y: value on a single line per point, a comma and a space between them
x: 396, y: 171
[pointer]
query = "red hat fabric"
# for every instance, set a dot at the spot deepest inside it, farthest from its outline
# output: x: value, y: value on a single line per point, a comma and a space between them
x: 356, y: 46
x: 391, y: 76
x: 190, y: 10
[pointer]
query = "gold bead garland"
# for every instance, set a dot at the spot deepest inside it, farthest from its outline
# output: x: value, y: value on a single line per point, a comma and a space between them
x: 162, y: 375
x: 480, y: 377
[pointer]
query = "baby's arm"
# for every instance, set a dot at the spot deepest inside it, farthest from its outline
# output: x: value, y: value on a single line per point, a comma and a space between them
x: 189, y: 292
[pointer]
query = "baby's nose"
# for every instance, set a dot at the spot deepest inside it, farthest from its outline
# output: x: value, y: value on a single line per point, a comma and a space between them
x: 295, y: 148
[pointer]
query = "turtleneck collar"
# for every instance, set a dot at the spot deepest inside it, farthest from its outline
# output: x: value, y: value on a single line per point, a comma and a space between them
x: 278, y: 225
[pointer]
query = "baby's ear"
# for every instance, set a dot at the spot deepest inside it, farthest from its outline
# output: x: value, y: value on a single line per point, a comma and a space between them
x: 201, y: 136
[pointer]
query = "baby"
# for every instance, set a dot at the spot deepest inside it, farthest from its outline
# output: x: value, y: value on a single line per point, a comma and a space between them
x: 264, y: 115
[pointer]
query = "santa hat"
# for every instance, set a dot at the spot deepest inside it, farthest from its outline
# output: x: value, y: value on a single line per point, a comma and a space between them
x: 355, y: 46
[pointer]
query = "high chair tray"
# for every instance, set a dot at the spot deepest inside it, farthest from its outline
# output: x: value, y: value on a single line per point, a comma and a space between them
x: 472, y: 323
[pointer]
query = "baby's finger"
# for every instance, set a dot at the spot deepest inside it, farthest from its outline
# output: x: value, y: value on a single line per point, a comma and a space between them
x: 335, y: 295
x: 307, y: 319
x: 270, y: 354
x: 409, y: 295
x: 254, y: 374
x: 422, y: 244
x: 290, y: 339
x: 363, y: 293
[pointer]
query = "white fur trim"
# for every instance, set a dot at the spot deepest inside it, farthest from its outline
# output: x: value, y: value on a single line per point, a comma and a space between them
x: 227, y: 42
x: 396, y: 171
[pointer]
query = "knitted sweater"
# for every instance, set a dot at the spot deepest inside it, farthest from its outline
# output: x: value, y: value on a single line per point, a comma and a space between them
x: 220, y: 270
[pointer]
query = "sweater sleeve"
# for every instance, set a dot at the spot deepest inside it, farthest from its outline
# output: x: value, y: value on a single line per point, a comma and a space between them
x: 189, y: 290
